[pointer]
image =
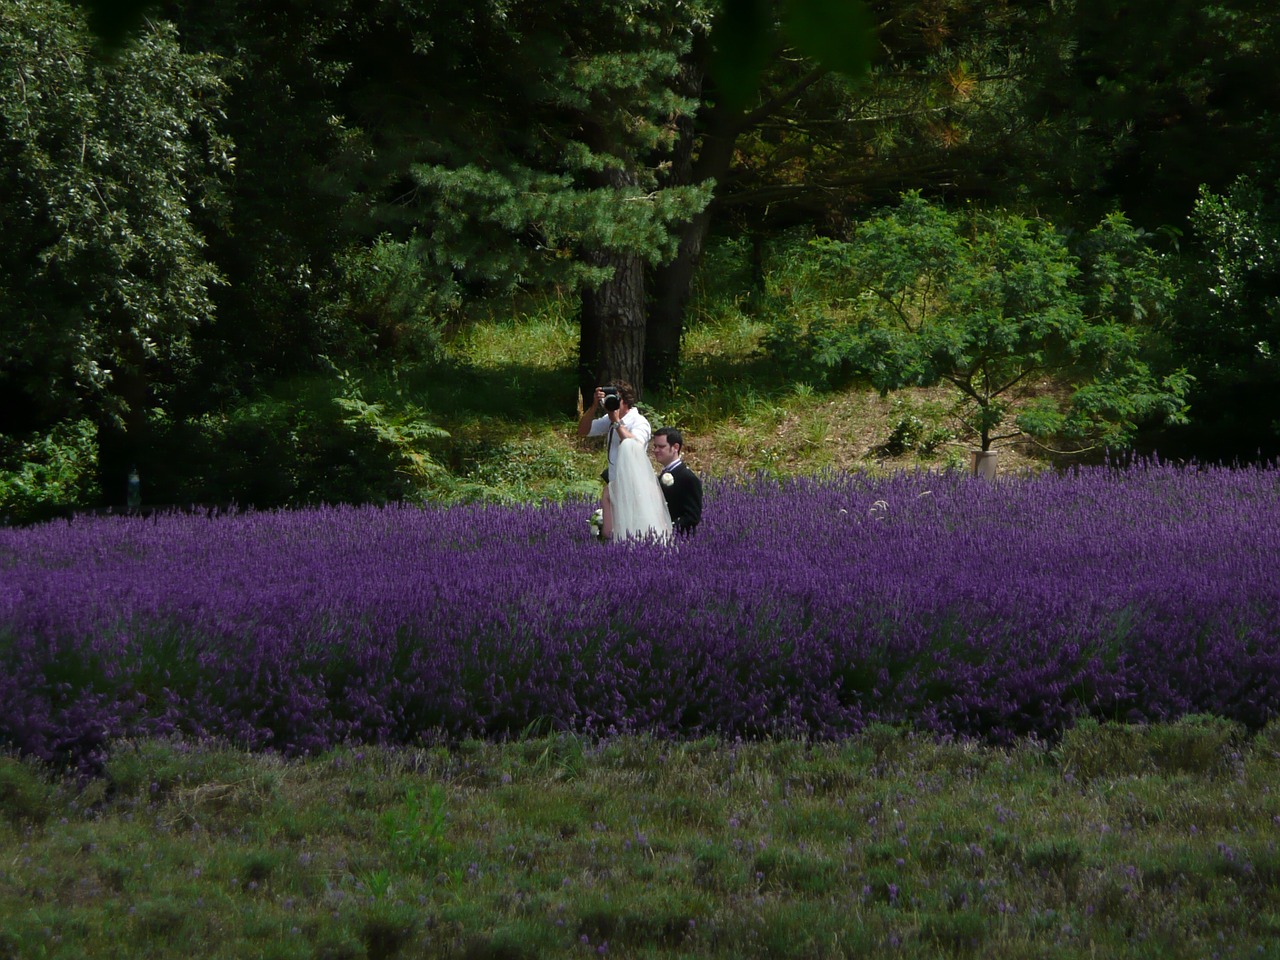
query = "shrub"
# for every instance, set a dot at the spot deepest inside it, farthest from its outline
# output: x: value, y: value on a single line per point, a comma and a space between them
x: 43, y: 475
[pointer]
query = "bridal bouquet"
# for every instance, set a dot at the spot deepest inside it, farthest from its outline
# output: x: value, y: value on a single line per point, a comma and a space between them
x: 596, y: 521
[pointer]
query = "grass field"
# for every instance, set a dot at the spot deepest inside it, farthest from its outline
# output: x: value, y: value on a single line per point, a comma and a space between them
x: 1117, y: 842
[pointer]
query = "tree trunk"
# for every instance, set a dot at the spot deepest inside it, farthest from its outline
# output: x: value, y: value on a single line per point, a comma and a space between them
x: 703, y: 151
x: 672, y: 284
x: 612, y: 325
x: 612, y: 319
x: 588, y: 351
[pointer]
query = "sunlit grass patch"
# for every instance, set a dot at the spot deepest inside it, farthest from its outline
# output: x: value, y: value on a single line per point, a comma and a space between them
x: 539, y: 332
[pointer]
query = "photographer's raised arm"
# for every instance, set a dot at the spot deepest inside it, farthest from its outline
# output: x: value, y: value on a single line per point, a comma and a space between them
x: 591, y: 413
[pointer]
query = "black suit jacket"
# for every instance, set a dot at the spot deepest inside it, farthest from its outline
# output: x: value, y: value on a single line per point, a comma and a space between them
x: 684, y: 498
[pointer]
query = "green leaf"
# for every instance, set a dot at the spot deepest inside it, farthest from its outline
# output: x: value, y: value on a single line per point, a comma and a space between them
x: 744, y: 41
x: 1041, y: 418
x: 113, y: 21
x: 839, y: 34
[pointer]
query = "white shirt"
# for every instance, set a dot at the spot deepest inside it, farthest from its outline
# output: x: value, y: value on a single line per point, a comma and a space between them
x: 633, y: 420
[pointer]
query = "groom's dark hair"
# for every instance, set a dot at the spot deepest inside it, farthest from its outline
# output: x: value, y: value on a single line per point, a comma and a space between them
x: 673, y: 435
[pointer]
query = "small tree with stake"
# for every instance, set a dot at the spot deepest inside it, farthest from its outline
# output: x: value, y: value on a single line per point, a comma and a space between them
x: 993, y: 304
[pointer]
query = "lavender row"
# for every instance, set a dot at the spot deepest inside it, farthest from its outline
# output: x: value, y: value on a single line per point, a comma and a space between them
x: 809, y: 607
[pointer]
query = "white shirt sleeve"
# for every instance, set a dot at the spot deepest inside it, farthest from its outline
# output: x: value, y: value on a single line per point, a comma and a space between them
x: 599, y: 427
x: 639, y: 427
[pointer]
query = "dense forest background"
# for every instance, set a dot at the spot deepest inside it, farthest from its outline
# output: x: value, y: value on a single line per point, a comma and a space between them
x: 238, y: 245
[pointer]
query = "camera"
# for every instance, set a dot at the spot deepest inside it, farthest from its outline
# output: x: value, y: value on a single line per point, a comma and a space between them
x: 612, y: 400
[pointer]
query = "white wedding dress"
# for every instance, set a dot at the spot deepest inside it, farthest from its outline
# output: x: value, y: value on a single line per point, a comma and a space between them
x: 639, y: 508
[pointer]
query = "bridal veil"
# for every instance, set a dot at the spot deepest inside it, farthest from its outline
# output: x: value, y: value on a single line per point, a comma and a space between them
x: 639, y: 508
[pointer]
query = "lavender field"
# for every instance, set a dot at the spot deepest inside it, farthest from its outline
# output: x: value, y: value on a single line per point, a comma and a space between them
x: 803, y: 608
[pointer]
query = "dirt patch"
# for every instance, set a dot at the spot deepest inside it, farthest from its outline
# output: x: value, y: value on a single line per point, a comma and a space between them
x: 855, y: 430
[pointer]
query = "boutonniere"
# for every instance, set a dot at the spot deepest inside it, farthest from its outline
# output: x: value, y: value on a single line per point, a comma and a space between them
x: 668, y: 479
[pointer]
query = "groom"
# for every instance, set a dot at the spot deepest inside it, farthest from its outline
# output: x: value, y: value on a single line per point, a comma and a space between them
x: 680, y: 485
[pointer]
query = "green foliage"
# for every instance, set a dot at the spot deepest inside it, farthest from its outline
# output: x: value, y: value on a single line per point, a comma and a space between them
x: 402, y: 433
x: 1226, y: 328
x: 744, y: 45
x: 725, y: 279
x: 45, y: 474
x: 25, y: 792
x: 568, y: 109
x: 501, y: 469
x: 940, y: 109
x: 838, y: 34
x: 561, y: 756
x: 914, y: 431
x: 322, y: 438
x: 1199, y: 745
x: 1267, y: 742
x: 1232, y: 324
x: 115, y: 20
x: 195, y: 219
x: 296, y: 206
x: 995, y: 305
x: 380, y: 302
x: 415, y: 829
x: 1155, y: 98
x: 474, y: 214
x: 109, y: 162
x: 163, y: 770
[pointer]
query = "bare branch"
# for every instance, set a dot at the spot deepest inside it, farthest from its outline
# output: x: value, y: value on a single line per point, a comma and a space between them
x: 767, y: 109
x: 1018, y: 379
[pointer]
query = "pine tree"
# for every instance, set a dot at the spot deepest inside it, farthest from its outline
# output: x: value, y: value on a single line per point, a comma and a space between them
x: 519, y: 144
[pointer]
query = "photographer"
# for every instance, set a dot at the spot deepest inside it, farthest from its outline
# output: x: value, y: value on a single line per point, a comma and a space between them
x: 613, y: 414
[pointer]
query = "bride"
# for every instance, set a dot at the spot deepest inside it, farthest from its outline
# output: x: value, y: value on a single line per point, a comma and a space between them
x: 639, y: 508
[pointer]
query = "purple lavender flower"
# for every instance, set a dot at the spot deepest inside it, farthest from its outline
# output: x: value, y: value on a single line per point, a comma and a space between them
x: 989, y: 610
